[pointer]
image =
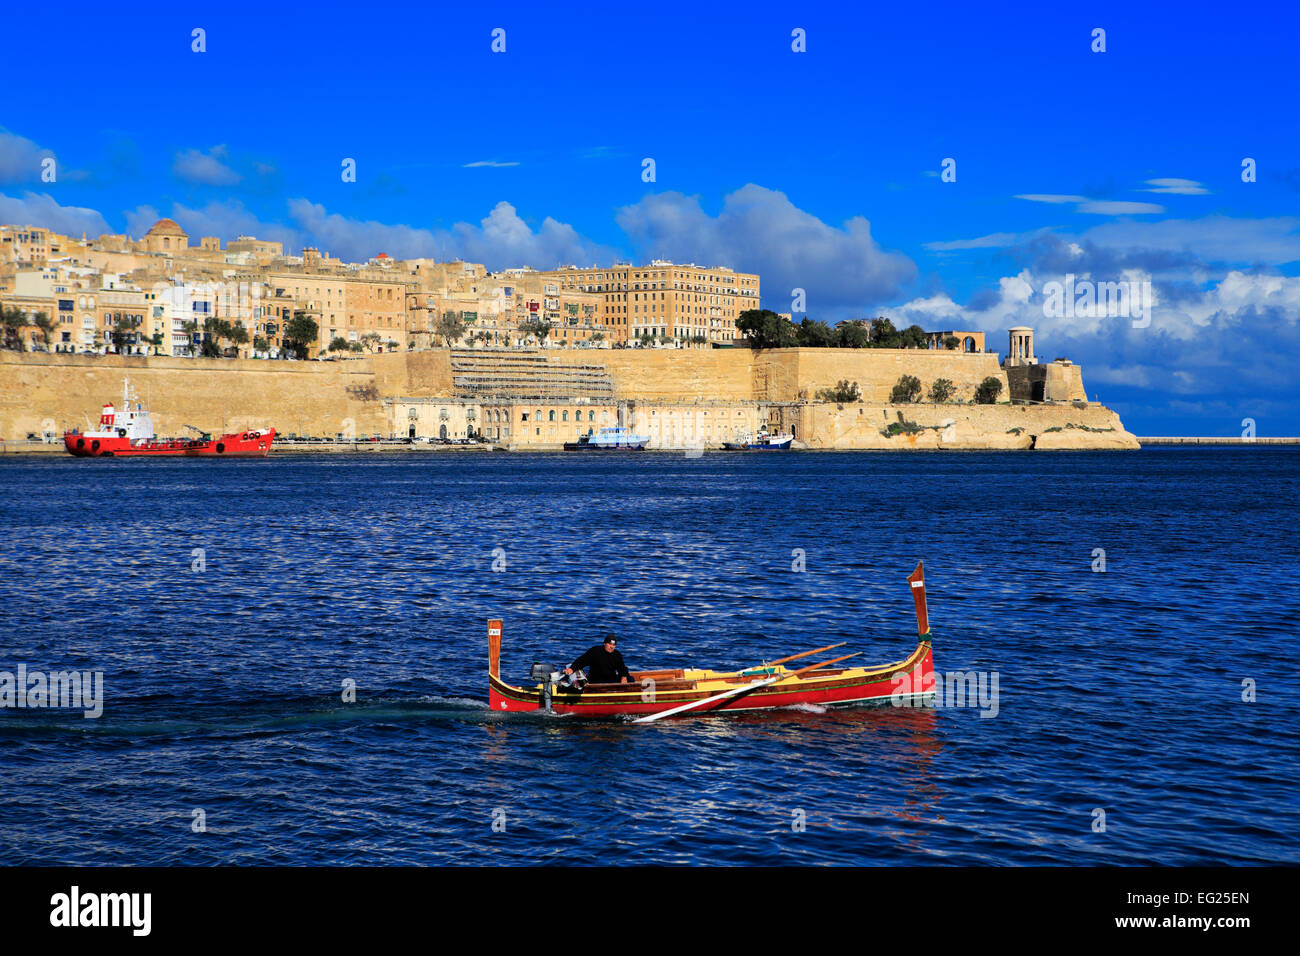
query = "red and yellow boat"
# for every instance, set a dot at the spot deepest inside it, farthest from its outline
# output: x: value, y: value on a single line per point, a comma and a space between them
x: 689, y: 692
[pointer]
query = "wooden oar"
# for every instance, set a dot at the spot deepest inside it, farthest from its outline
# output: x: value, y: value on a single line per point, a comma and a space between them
x: 795, y: 657
x: 648, y: 718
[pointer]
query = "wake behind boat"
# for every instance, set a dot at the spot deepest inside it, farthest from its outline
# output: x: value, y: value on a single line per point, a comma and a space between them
x: 688, y: 691
x: 129, y: 433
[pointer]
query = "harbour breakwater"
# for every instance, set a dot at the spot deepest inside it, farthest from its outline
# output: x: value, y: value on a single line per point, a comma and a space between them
x: 527, y: 399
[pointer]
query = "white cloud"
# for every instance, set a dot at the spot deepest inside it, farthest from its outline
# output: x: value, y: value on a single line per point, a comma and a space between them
x: 20, y: 158
x: 225, y: 220
x: 1109, y: 207
x: 495, y: 164
x: 761, y: 230
x: 1239, y: 332
x: 1054, y: 198
x: 1180, y: 187
x: 994, y: 240
x: 41, y: 209
x: 1100, y: 207
x: 500, y: 240
x: 1255, y: 242
x: 205, y: 169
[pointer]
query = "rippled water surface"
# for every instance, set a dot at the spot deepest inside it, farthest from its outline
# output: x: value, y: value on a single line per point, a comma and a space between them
x: 1118, y: 691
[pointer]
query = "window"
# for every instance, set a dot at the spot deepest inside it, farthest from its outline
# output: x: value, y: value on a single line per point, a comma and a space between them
x: 552, y: 417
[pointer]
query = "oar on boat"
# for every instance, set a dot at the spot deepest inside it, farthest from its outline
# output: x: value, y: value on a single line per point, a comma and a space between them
x: 753, y: 685
x: 795, y: 657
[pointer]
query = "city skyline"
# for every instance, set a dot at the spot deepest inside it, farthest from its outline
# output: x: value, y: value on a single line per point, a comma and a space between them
x: 818, y: 170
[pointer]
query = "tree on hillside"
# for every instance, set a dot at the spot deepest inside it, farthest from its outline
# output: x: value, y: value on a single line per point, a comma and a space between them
x: 913, y: 337
x: 906, y: 391
x: 451, y: 327
x: 12, y: 320
x: 844, y: 391
x: 988, y: 391
x: 537, y: 329
x: 851, y: 335
x: 300, y: 334
x: 815, y: 335
x: 942, y: 390
x: 121, y: 334
x: 190, y: 329
x: 43, y: 322
x: 883, y: 334
x: 766, y: 329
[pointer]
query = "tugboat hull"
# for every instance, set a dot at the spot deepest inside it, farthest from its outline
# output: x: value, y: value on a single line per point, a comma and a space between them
x: 254, y: 444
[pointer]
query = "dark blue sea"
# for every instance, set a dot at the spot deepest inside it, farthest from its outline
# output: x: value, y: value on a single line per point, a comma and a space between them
x: 1145, y: 713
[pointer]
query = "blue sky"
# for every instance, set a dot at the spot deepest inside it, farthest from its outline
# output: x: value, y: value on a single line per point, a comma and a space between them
x: 819, y: 170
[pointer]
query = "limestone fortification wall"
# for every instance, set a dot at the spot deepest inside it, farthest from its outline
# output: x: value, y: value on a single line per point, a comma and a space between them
x: 42, y: 390
x: 781, y: 375
x: 792, y: 374
x: 957, y: 427
x: 317, y: 398
x: 673, y: 375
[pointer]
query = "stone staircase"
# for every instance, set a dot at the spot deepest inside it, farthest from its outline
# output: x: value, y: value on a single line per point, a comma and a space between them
x: 488, y: 374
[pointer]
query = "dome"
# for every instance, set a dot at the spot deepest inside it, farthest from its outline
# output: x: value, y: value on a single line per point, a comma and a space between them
x: 166, y: 227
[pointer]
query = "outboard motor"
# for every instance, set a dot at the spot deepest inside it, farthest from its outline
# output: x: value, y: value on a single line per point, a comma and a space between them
x: 547, y: 676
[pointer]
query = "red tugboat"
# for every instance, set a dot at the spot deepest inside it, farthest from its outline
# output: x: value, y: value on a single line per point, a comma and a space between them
x: 130, y: 433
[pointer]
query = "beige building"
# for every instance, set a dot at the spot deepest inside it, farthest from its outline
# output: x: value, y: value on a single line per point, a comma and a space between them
x: 29, y: 245
x: 689, y: 304
x: 165, y: 238
x: 368, y: 312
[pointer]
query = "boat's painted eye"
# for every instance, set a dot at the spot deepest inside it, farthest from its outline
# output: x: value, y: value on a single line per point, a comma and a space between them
x: 503, y: 705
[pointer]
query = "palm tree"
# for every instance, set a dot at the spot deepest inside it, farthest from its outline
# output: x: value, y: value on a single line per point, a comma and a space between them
x: 43, y: 322
x: 13, y: 320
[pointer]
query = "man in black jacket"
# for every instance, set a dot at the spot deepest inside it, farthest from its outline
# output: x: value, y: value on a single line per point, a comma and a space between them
x: 606, y: 664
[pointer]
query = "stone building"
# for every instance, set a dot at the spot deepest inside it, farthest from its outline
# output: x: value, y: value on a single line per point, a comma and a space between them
x: 689, y: 304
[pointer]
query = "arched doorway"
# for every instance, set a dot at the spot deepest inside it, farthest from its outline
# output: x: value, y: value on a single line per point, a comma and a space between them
x: 442, y: 431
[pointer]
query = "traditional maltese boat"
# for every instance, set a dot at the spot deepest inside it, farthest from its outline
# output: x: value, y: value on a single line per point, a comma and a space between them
x: 129, y: 433
x: 688, y: 692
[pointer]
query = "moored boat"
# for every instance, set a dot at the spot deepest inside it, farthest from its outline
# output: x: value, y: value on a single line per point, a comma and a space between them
x: 689, y: 691
x: 763, y: 441
x: 130, y: 433
x: 612, y: 438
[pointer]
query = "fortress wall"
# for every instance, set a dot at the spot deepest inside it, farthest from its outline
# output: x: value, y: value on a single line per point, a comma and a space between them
x: 212, y: 394
x: 794, y: 374
x: 325, y: 398
x: 1043, y: 427
x: 671, y: 375
x: 779, y: 375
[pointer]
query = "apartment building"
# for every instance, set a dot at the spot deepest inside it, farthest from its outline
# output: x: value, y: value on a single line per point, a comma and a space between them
x: 684, y: 303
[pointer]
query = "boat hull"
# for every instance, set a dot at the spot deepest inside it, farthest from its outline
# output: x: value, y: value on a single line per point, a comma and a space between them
x: 582, y: 446
x: 251, y: 444
x: 908, y: 682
